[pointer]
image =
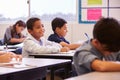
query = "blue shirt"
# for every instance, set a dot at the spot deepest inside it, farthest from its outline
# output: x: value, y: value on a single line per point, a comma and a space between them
x: 84, y: 56
x: 54, y: 37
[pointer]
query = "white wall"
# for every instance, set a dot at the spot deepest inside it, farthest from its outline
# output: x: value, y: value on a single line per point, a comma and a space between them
x: 2, y: 29
x: 75, y: 31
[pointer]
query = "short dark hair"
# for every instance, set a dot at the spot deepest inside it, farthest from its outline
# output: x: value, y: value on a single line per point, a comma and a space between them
x: 30, y: 22
x: 107, y: 32
x: 57, y: 22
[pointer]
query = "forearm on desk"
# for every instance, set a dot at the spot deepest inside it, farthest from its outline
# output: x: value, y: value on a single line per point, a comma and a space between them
x: 105, y: 66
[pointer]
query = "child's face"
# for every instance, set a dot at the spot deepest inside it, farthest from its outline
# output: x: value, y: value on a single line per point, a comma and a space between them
x: 38, y: 30
x: 62, y: 31
x: 104, y: 51
x: 19, y: 29
x: 102, y: 48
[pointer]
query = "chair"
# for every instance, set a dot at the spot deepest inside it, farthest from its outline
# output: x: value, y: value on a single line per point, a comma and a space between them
x: 1, y: 42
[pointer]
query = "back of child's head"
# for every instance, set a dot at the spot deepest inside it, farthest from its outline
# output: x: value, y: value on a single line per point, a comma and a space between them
x: 57, y: 22
x: 30, y: 22
x: 107, y: 32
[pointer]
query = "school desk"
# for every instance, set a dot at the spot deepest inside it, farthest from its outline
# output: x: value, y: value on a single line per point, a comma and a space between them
x: 98, y: 76
x: 33, y: 69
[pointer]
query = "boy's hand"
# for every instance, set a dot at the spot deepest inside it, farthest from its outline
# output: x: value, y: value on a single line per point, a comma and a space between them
x: 6, y: 57
x: 18, y: 58
x: 21, y: 39
x: 64, y: 49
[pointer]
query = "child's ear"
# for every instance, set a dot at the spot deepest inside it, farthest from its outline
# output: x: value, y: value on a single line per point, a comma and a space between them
x: 57, y: 29
x: 96, y: 42
x: 30, y: 31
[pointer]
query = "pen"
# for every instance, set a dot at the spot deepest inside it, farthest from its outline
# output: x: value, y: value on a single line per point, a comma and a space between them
x: 87, y: 36
x: 6, y: 47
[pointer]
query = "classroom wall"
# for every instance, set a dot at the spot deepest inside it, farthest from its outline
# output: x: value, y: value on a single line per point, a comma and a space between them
x: 75, y: 31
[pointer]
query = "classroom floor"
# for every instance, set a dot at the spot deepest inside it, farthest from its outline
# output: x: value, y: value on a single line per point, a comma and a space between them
x: 59, y: 75
x: 56, y: 77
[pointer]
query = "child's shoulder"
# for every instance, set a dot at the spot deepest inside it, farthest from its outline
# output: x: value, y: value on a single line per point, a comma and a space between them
x: 85, y: 46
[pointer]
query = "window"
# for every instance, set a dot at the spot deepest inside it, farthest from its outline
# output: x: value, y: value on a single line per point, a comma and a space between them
x: 49, y: 9
x: 11, y: 10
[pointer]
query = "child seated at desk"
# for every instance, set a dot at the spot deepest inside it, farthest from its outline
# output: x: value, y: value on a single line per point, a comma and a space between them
x: 99, y: 53
x: 14, y: 36
x: 35, y: 43
x: 13, y: 33
x: 59, y: 27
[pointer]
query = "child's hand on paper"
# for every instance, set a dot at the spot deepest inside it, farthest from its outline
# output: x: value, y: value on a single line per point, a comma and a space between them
x: 64, y: 49
x: 18, y: 58
x: 6, y: 57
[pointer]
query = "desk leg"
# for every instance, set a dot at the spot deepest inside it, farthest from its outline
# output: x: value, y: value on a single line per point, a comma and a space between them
x: 4, y: 77
x: 52, y: 74
x: 42, y: 79
x: 66, y: 67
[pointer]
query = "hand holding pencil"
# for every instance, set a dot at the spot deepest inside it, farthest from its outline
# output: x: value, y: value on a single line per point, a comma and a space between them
x: 8, y: 56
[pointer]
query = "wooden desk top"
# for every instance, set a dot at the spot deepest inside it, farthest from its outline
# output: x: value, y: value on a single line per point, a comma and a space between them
x: 98, y: 76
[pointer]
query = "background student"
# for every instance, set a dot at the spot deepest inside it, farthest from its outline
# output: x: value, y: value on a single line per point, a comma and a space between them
x: 59, y: 27
x: 13, y: 33
x: 99, y: 53
x: 7, y: 56
x: 35, y: 43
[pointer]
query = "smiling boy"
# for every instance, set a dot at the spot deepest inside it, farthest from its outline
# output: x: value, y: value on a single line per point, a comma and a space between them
x: 35, y: 43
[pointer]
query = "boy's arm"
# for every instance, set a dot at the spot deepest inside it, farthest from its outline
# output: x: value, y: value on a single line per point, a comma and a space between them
x: 7, y: 57
x: 57, y: 45
x: 105, y: 66
x: 33, y: 47
x: 71, y: 46
x: 17, y: 40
